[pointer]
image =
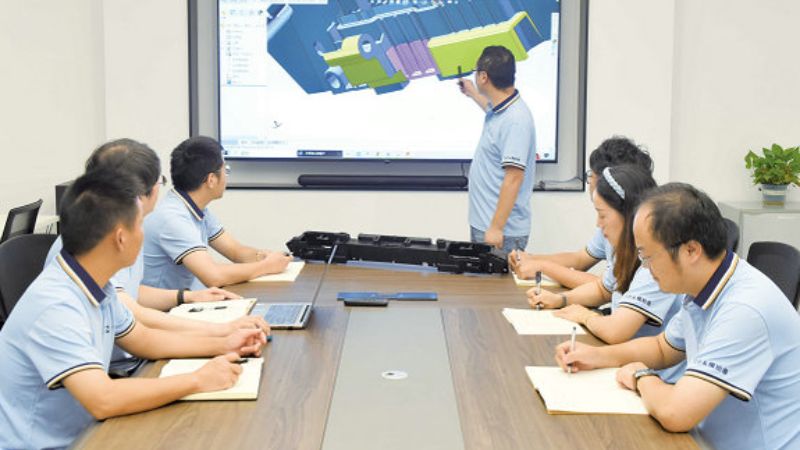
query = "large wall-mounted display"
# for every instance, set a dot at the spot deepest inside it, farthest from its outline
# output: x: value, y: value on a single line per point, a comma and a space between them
x: 375, y: 79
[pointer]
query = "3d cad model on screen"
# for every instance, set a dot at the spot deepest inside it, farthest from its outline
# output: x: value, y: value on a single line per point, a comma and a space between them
x: 350, y: 45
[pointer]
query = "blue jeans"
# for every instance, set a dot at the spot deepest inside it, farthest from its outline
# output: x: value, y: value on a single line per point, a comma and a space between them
x: 510, y: 243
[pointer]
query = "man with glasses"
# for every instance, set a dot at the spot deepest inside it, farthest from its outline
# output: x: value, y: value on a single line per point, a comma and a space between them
x: 502, y: 170
x: 141, y: 162
x: 737, y: 331
x: 615, y: 151
x: 181, y: 228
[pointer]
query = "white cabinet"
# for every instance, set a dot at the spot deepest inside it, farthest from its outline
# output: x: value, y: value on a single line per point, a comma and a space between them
x: 763, y: 223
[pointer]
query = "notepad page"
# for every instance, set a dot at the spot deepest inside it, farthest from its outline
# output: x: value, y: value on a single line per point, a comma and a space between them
x: 290, y: 274
x: 589, y: 392
x: 233, y: 310
x: 546, y: 282
x: 246, y: 387
x: 528, y: 321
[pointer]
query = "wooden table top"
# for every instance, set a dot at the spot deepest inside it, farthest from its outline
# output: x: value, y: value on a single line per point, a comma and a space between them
x: 498, y: 407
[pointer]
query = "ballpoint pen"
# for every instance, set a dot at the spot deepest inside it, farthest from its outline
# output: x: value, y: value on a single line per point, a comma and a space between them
x: 572, y: 346
x: 538, y: 283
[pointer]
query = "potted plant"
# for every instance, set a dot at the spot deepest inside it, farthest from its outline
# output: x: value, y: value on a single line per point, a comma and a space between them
x: 774, y: 170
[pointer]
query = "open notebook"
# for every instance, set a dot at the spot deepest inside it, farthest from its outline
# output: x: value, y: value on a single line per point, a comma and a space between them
x: 217, y: 312
x: 590, y: 392
x: 246, y: 388
x: 546, y: 282
x: 290, y: 274
x: 528, y: 321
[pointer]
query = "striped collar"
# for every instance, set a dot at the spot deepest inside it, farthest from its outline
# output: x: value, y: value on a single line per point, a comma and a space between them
x: 717, y: 281
x: 502, y: 106
x: 190, y: 204
x: 81, y: 277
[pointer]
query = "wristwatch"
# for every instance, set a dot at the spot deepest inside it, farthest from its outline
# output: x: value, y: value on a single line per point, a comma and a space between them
x: 180, y: 297
x: 646, y: 372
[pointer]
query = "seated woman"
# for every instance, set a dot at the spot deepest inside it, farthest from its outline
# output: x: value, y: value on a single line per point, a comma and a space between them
x: 639, y: 307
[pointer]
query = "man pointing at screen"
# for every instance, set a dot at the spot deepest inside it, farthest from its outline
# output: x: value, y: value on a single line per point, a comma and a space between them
x: 503, y: 168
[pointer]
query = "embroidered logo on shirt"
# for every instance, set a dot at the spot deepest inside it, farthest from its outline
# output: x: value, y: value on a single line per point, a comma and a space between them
x: 641, y: 300
x: 712, y: 365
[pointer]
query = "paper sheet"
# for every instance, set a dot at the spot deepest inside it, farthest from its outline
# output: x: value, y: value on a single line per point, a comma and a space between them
x: 590, y: 392
x: 290, y: 274
x: 246, y: 387
x: 528, y: 321
x: 214, y: 311
x: 546, y: 282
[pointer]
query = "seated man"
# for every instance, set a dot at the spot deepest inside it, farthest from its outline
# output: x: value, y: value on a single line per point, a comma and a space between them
x: 57, y: 343
x: 615, y: 151
x: 139, y: 160
x: 736, y: 330
x: 181, y: 228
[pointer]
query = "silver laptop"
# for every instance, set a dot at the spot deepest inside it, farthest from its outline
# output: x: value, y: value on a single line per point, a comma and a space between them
x: 294, y: 316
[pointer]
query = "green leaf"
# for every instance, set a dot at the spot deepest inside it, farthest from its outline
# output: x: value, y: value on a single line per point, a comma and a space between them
x: 776, y: 165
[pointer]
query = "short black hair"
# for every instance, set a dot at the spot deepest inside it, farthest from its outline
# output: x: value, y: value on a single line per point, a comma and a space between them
x: 634, y: 181
x: 192, y: 161
x: 499, y: 65
x: 680, y: 213
x: 94, y: 204
x: 616, y: 151
x: 129, y: 156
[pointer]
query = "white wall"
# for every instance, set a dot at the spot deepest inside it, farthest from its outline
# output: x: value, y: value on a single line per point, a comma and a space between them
x: 51, y: 95
x: 146, y: 72
x: 736, y: 87
x: 696, y: 82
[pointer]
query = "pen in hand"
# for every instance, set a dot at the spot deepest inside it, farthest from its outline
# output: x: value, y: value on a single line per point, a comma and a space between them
x: 538, y: 283
x: 572, y: 346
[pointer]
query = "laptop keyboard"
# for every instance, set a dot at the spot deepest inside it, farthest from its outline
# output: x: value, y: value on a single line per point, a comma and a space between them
x: 283, y: 314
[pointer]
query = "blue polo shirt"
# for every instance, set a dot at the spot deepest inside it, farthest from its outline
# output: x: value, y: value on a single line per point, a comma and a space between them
x: 63, y: 324
x: 177, y: 228
x: 128, y: 279
x: 742, y: 334
x: 508, y: 140
x: 646, y: 298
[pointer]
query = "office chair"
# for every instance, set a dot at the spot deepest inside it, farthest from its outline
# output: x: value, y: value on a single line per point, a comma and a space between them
x: 21, y: 261
x: 733, y: 234
x: 21, y: 220
x: 780, y: 262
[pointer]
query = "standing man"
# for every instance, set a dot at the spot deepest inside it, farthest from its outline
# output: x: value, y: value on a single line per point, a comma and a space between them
x: 502, y: 171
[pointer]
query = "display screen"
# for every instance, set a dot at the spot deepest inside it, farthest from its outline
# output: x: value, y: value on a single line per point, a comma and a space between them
x: 376, y: 79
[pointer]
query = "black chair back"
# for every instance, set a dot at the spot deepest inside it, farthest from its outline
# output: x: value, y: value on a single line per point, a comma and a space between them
x: 21, y: 220
x: 21, y: 261
x: 780, y: 262
x: 733, y: 234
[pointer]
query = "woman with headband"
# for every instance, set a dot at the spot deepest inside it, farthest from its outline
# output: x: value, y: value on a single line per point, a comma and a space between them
x: 639, y: 307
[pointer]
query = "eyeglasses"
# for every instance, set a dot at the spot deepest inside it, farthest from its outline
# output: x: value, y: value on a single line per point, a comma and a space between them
x: 645, y: 260
x: 227, y: 169
x: 588, y: 174
x: 163, y: 180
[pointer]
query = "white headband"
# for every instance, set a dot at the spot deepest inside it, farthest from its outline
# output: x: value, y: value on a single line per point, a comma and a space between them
x: 613, y: 183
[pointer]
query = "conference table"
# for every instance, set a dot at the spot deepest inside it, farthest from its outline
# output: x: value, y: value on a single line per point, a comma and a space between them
x: 497, y: 406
